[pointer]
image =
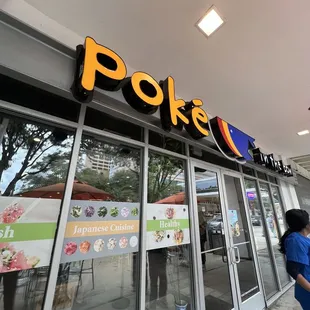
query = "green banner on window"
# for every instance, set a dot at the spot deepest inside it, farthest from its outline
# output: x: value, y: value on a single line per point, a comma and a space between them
x: 27, y: 231
x: 156, y: 225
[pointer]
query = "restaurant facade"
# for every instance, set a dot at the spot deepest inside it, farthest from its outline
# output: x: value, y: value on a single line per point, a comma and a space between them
x: 124, y: 197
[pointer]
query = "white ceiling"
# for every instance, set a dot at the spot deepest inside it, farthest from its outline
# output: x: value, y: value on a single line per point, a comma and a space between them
x: 253, y: 72
x: 303, y: 161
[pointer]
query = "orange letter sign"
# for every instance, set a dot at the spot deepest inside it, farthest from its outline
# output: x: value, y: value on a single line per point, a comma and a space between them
x: 115, y: 69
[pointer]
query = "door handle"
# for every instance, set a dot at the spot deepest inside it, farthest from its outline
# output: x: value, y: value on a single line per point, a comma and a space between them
x: 224, y: 253
x: 232, y: 255
x: 238, y: 255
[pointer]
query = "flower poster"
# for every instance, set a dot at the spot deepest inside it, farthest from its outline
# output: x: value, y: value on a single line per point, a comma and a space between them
x: 27, y: 231
x: 100, y: 228
x: 167, y: 225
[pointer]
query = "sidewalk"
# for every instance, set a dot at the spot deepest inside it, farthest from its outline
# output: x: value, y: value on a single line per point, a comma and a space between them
x: 286, y: 302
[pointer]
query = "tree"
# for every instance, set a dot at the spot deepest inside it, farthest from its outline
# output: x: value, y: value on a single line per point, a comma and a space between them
x: 56, y: 173
x: 162, y: 176
x: 163, y: 170
x: 35, y: 143
x: 93, y: 178
x: 124, y: 183
x: 124, y: 186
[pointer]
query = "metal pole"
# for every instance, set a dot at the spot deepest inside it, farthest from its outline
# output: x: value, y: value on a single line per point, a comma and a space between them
x: 143, y: 233
x: 3, y: 127
x: 54, y: 267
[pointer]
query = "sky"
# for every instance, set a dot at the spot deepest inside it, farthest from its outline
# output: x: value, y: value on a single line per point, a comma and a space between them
x: 9, y: 174
x: 17, y: 161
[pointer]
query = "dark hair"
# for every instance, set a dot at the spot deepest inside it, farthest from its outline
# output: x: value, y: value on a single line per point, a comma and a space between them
x: 296, y: 220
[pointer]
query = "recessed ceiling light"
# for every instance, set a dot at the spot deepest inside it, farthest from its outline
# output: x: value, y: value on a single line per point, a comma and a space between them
x: 304, y: 132
x: 210, y: 22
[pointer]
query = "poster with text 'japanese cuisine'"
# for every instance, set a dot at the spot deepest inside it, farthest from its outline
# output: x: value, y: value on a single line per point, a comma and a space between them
x: 98, y: 228
x: 27, y: 231
x: 167, y: 225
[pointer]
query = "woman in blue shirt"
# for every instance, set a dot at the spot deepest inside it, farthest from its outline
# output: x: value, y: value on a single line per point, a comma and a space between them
x: 295, y: 244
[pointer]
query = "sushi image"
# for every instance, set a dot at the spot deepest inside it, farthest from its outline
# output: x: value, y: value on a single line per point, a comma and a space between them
x: 99, y: 245
x: 84, y: 247
x: 102, y: 212
x: 133, y: 241
x: 89, y: 211
x: 170, y: 213
x: 76, y: 211
x: 159, y: 235
x: 12, y: 259
x: 12, y: 213
x: 111, y: 243
x: 123, y: 243
x: 125, y: 212
x: 178, y: 236
x: 134, y: 212
x: 70, y: 248
x: 114, y: 212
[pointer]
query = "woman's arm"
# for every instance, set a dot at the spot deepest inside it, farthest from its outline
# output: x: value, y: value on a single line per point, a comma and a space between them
x: 303, y: 282
x: 295, y: 270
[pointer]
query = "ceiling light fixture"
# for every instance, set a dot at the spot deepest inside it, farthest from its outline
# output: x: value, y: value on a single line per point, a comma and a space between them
x: 36, y: 139
x: 304, y: 132
x: 210, y: 22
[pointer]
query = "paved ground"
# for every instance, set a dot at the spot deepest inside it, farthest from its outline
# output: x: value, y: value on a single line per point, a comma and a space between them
x: 287, y: 302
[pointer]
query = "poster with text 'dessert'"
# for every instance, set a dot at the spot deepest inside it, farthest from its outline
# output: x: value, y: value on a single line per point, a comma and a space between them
x: 167, y: 225
x: 27, y: 231
x: 97, y: 229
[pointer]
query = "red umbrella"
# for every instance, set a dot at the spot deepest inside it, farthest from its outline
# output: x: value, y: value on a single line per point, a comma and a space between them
x: 80, y: 191
x: 179, y: 198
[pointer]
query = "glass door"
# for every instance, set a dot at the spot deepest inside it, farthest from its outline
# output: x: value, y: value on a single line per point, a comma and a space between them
x: 228, y: 274
x: 274, y: 229
x: 244, y: 260
x: 217, y: 284
x: 263, y: 245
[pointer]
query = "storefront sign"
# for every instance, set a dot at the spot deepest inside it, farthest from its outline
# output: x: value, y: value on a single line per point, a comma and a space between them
x: 167, y: 225
x: 27, y: 232
x: 97, y: 65
x: 235, y: 144
x: 232, y: 141
x: 269, y: 162
x: 98, y: 228
x: 251, y: 196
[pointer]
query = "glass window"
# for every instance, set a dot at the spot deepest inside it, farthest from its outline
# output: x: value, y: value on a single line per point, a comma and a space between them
x: 34, y: 161
x: 272, y: 179
x: 99, y: 264
x: 103, y: 121
x: 263, y: 251
x: 262, y: 175
x: 218, y: 160
x: 248, y: 170
x: 303, y: 193
x: 166, y: 143
x: 279, y: 208
x: 38, y: 99
x: 273, y: 232
x: 169, y: 280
